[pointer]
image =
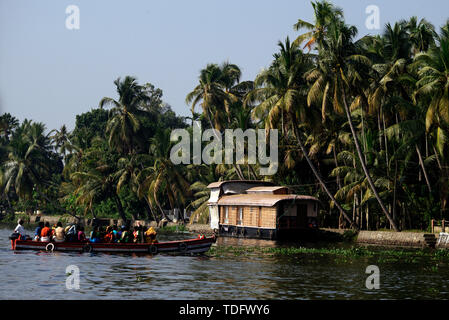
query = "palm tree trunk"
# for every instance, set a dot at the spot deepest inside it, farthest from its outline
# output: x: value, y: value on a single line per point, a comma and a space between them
x: 336, y: 165
x: 317, y: 175
x: 362, y: 161
x: 394, y: 189
x: 121, y: 212
x: 150, y: 212
x: 423, y: 168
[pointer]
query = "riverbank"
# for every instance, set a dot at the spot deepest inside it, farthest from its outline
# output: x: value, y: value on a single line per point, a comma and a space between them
x: 380, y: 238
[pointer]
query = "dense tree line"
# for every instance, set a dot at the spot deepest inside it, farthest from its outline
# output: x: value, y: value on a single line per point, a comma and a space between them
x: 363, y: 125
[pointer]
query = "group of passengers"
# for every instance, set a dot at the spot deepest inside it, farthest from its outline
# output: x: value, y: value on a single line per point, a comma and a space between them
x: 113, y: 234
x: 110, y: 234
x: 71, y: 233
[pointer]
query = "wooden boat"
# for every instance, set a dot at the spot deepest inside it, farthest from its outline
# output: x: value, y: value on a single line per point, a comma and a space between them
x: 197, y: 245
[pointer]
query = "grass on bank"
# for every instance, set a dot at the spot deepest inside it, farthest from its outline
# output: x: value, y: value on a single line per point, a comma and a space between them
x: 404, y: 255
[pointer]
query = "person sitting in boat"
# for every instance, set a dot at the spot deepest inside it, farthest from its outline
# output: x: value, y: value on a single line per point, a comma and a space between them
x: 37, y: 232
x: 115, y: 235
x: 53, y: 228
x: 81, y: 236
x: 46, y: 232
x: 95, y: 236
x: 138, y: 236
x: 59, y: 234
x: 150, y: 235
x: 119, y: 233
x: 126, y: 235
x: 71, y: 233
x: 108, y: 237
x: 20, y: 230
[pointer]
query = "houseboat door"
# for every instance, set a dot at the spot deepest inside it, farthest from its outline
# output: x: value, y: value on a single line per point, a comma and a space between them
x: 214, y: 217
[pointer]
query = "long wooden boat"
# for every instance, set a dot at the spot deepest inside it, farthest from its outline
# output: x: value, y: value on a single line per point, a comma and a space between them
x: 198, y: 245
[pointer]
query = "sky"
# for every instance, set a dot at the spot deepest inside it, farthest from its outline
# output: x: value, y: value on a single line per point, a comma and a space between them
x: 50, y: 73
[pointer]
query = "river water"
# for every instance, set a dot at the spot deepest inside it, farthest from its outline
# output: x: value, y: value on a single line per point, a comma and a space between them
x: 42, y: 275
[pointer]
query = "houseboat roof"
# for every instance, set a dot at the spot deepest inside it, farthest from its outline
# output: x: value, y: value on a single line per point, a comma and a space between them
x: 218, y: 184
x: 262, y: 200
x: 266, y: 189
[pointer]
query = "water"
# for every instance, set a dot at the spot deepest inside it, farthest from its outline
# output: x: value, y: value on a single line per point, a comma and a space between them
x: 42, y: 275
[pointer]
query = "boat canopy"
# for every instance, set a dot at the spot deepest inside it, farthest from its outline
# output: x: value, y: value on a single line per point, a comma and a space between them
x: 262, y: 200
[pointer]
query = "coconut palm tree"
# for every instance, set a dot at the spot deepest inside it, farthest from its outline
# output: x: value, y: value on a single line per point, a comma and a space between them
x: 28, y: 164
x: 97, y: 180
x: 163, y: 182
x: 337, y: 66
x: 422, y: 34
x: 281, y: 91
x: 123, y: 124
x: 324, y: 13
x: 61, y: 141
x: 211, y: 93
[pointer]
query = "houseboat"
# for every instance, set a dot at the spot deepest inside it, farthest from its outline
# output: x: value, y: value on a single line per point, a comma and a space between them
x: 259, y: 209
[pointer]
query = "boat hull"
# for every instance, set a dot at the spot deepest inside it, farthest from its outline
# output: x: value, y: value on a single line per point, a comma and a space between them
x: 268, y: 233
x: 198, y: 245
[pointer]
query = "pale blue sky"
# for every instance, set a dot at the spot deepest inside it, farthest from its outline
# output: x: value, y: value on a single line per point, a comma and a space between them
x: 50, y: 74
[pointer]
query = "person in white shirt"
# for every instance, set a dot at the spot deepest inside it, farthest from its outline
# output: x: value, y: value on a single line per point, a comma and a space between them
x: 20, y: 229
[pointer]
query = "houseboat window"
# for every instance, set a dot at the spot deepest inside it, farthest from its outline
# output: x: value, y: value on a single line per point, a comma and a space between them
x: 226, y: 217
x: 240, y: 218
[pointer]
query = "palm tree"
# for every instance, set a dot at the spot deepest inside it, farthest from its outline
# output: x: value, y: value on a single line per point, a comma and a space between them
x: 433, y: 73
x: 284, y: 94
x: 98, y: 181
x: 211, y: 93
x: 218, y: 91
x: 62, y: 142
x: 163, y: 180
x: 324, y: 13
x: 338, y: 65
x: 128, y: 171
x: 28, y: 164
x: 123, y: 124
x: 422, y: 34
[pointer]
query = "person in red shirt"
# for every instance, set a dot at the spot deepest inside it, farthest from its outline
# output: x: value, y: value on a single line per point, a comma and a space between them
x: 46, y: 232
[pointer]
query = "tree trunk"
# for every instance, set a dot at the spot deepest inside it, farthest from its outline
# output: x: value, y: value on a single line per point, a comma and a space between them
x: 362, y: 161
x: 394, y: 189
x: 421, y: 162
x: 121, y: 212
x: 150, y: 212
x: 317, y: 175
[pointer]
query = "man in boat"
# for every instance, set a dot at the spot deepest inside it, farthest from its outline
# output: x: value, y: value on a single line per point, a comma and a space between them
x: 59, y: 234
x: 20, y: 230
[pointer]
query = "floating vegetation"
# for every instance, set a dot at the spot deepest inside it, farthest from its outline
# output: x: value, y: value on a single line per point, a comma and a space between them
x: 342, y: 254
